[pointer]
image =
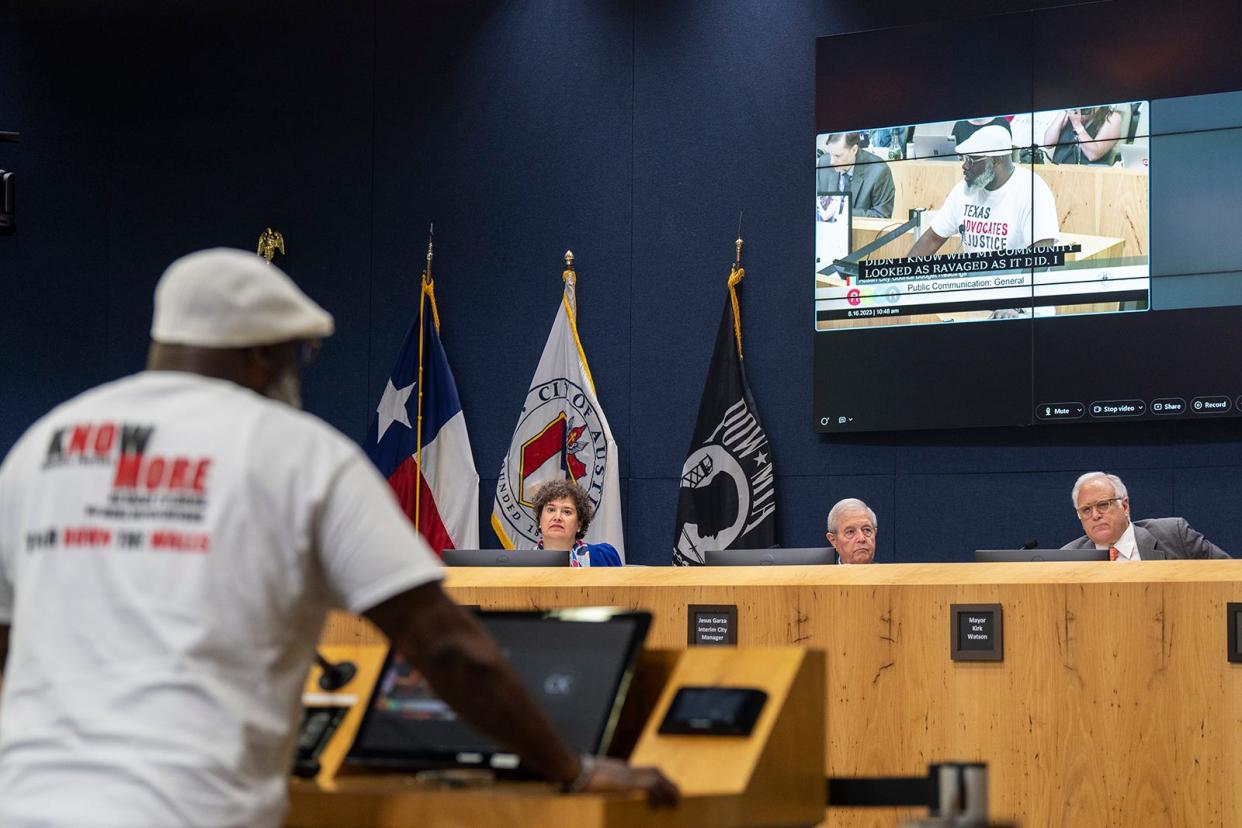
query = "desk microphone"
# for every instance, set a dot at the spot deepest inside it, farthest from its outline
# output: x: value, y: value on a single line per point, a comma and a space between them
x: 335, y: 676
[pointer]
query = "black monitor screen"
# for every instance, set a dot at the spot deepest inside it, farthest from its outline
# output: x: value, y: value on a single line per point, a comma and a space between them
x: 1026, y: 246
x: 799, y: 556
x: 1036, y: 555
x: 505, y: 557
x: 578, y: 671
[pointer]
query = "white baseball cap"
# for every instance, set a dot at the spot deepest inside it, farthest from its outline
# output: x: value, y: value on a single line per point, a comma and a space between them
x: 224, y: 298
x: 989, y: 140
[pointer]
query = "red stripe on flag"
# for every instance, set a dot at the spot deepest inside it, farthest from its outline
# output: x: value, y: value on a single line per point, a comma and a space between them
x: 431, y: 526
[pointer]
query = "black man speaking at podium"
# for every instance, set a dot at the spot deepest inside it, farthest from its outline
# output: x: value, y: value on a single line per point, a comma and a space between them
x: 169, y: 546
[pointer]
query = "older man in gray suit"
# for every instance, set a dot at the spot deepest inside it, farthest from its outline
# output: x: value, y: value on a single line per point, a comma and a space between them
x: 1103, y: 506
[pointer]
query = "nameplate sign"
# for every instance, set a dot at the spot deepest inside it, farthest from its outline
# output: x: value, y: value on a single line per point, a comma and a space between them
x: 711, y: 625
x: 977, y: 632
x: 1233, y: 616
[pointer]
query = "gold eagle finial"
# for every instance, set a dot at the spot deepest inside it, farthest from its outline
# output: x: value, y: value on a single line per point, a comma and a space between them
x: 270, y: 242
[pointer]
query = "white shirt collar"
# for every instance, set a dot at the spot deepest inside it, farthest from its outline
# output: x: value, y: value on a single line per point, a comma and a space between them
x: 1127, y: 546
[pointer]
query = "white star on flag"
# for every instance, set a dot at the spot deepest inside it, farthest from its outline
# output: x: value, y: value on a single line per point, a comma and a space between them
x: 392, y: 408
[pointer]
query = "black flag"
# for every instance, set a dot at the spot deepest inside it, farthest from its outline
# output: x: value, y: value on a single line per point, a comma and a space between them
x: 727, y: 498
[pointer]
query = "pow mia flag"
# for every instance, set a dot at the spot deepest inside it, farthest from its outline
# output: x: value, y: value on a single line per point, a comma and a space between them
x: 727, y: 498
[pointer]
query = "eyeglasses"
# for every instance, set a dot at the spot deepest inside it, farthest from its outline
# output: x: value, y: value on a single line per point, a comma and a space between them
x: 972, y: 160
x: 1102, y: 506
x: 852, y: 532
x: 308, y: 351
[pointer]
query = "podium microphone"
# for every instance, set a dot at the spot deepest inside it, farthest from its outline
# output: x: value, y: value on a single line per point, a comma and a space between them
x: 335, y: 676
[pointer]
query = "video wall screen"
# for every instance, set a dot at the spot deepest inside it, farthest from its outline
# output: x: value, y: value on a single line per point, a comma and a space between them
x: 994, y: 246
x: 1017, y: 266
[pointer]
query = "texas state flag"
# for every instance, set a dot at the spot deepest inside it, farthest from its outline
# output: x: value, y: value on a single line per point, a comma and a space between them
x: 439, y: 491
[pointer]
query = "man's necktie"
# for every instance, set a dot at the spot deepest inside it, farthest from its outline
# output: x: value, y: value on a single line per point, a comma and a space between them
x: 1113, y: 553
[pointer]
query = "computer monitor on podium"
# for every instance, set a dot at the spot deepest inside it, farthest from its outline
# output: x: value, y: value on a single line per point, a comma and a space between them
x: 577, y: 663
x: 506, y: 557
x: 1029, y: 555
x: 794, y: 556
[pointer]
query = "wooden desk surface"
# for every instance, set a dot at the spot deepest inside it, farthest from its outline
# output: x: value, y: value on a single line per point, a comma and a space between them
x: 1114, y: 706
x: 401, y: 801
x: 885, y: 574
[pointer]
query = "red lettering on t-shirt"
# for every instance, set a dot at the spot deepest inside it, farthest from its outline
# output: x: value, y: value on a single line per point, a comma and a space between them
x: 86, y: 536
x: 127, y: 468
x: 105, y: 436
x: 154, y: 473
x: 169, y: 541
x: 161, y: 473
x: 200, y: 475
x: 78, y: 439
x: 177, y: 477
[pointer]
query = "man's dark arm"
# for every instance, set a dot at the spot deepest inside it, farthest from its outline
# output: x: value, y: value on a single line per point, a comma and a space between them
x: 927, y: 244
x: 469, y: 672
x: 4, y: 646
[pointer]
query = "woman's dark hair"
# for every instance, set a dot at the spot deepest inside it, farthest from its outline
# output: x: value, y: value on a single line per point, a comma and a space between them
x: 1095, y: 117
x: 555, y: 490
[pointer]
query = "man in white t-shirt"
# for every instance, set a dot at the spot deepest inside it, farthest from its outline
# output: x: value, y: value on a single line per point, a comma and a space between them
x: 169, y: 545
x: 997, y: 206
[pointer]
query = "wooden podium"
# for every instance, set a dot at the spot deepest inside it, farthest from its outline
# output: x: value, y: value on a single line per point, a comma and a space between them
x: 1115, y: 704
x: 772, y: 777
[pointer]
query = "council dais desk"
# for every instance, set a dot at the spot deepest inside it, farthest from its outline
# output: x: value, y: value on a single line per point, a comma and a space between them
x: 1114, y: 704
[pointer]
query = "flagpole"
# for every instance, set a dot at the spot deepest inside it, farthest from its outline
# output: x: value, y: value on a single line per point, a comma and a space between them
x: 424, y: 287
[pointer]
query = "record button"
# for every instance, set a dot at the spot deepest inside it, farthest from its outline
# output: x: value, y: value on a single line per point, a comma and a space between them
x: 1211, y: 405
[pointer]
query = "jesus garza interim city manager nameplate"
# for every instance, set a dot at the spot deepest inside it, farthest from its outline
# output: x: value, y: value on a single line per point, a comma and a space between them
x: 711, y: 625
x: 977, y: 632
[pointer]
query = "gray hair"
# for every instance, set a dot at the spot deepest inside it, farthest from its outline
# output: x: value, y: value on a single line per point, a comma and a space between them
x: 1119, y: 488
x: 849, y: 504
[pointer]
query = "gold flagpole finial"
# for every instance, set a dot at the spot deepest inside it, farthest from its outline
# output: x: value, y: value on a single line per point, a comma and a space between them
x: 569, y: 275
x: 736, y: 274
x: 737, y: 256
x: 431, y: 233
x: 270, y: 243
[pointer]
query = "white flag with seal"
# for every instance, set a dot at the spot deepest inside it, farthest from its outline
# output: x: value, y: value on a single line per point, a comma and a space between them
x: 561, y: 433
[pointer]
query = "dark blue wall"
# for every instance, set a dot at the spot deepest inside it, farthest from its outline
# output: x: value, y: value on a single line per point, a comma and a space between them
x: 632, y: 131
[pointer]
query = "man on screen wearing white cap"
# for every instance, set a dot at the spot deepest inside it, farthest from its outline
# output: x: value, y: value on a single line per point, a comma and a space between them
x: 997, y: 206
x: 169, y: 545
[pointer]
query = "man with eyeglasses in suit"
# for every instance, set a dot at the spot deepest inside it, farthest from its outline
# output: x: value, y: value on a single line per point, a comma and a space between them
x: 1103, y: 506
